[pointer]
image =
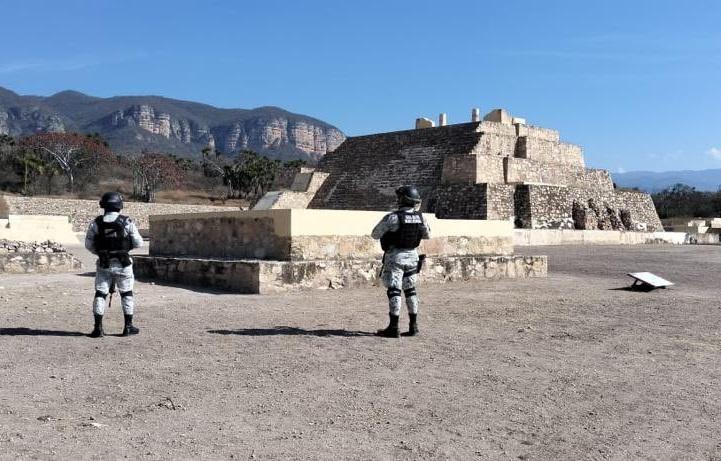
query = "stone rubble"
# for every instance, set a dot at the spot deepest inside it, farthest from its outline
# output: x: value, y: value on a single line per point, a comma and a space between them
x: 48, y: 246
x: 36, y: 257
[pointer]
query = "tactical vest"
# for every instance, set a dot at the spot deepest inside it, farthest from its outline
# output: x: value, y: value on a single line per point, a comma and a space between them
x: 113, y: 240
x: 409, y: 233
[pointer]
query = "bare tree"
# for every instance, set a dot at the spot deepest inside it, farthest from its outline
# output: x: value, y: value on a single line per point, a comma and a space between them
x: 152, y: 172
x: 72, y: 153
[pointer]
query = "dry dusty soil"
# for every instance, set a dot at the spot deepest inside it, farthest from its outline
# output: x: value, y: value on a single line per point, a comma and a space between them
x: 568, y: 367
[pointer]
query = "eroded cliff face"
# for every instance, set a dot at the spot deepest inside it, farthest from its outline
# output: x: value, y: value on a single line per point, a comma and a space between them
x: 135, y: 123
x: 277, y: 132
x: 259, y: 133
x: 146, y: 118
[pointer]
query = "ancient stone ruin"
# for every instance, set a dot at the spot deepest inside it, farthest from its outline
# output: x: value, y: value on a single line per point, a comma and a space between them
x: 479, y: 180
x: 277, y: 250
x: 499, y: 168
x: 17, y: 257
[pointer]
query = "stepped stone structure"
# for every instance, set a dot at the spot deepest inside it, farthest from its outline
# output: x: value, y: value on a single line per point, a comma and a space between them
x: 499, y: 168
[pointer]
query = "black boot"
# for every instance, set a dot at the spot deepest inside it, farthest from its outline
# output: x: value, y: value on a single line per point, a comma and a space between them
x: 129, y: 328
x: 412, y: 325
x: 98, y: 330
x: 392, y: 330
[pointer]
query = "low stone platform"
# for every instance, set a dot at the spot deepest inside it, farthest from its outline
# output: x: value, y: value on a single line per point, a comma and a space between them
x: 253, y: 276
x: 18, y: 257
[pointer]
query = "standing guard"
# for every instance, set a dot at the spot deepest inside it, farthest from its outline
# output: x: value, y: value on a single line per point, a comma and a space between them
x: 400, y: 233
x: 111, y: 237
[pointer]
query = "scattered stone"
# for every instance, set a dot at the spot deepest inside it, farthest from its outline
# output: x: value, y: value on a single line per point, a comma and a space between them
x: 44, y: 257
x: 48, y: 246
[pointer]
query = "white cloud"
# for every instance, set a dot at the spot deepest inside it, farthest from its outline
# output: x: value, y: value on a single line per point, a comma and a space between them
x: 46, y: 65
x: 714, y: 152
x: 66, y: 64
x: 620, y: 170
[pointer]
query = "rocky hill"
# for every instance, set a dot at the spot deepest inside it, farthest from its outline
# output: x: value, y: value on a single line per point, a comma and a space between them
x: 134, y: 123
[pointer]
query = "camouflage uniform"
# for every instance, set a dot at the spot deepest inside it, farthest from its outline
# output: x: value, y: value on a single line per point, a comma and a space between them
x: 122, y: 276
x: 399, y: 267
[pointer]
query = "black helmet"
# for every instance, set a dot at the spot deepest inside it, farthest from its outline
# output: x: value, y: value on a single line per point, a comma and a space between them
x: 408, y: 196
x: 111, y: 201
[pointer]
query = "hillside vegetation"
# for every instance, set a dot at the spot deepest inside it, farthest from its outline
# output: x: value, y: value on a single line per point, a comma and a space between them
x: 84, y: 166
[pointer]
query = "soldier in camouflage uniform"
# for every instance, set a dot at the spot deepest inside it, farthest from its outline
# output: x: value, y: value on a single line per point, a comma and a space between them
x: 400, y: 233
x: 111, y: 237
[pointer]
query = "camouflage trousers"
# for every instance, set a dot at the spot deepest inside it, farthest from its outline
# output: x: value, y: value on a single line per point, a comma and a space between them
x: 400, y: 275
x: 122, y: 278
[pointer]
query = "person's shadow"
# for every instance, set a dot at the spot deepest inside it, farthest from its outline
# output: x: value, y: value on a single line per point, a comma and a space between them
x: 290, y: 331
x: 33, y: 332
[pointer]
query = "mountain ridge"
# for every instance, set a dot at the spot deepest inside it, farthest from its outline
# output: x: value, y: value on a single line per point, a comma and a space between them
x: 133, y: 123
x: 653, y: 181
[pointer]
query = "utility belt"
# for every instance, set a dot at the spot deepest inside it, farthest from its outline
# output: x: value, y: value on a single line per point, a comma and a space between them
x: 417, y: 270
x: 104, y: 258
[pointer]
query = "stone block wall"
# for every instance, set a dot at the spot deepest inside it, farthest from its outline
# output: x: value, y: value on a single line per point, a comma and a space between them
x: 587, y: 208
x: 543, y: 150
x: 260, y: 277
x: 82, y: 212
x: 45, y: 257
x: 590, y: 178
x: 500, y: 201
x: 537, y: 132
x: 571, y: 154
x: 496, y: 139
x: 295, y: 235
x: 490, y: 169
x: 223, y: 237
x: 459, y: 169
x: 460, y: 201
x: 524, y: 170
x: 549, y: 207
x: 641, y: 208
x: 473, y: 169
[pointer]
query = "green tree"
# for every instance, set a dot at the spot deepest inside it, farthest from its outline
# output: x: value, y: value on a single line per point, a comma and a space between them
x: 250, y: 176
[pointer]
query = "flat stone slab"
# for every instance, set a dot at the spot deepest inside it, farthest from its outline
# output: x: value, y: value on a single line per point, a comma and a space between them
x: 262, y: 276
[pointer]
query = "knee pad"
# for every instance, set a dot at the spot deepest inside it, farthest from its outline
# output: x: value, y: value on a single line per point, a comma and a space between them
x: 410, y: 292
x: 100, y: 294
x: 393, y: 292
x: 125, y: 294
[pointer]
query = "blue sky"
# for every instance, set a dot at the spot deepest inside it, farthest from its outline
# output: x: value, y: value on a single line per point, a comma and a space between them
x: 636, y: 83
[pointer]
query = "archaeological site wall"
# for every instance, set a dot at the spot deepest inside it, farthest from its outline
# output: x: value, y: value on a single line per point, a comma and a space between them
x: 263, y: 251
x: 82, y: 212
x: 295, y: 235
x: 18, y: 257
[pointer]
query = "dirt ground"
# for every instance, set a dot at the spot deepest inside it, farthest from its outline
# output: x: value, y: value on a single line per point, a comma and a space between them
x: 568, y: 367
